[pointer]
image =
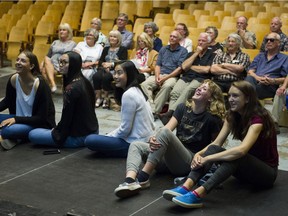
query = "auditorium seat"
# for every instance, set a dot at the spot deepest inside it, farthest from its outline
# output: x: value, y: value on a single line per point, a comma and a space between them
x: 16, y: 43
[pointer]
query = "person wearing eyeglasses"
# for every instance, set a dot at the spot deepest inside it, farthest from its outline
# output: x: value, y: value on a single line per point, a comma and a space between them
x: 275, y: 26
x: 96, y: 23
x: 78, y: 118
x: 185, y: 41
x: 268, y: 69
x: 127, y: 36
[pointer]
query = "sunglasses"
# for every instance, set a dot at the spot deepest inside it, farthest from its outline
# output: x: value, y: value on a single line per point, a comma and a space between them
x: 270, y: 39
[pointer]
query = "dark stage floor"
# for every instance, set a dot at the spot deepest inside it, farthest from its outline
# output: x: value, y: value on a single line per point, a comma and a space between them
x: 82, y: 182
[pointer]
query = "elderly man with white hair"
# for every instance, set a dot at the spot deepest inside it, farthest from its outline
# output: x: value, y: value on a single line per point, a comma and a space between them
x: 167, y: 72
x: 275, y: 26
x: 196, y: 68
x: 268, y: 69
x: 231, y: 65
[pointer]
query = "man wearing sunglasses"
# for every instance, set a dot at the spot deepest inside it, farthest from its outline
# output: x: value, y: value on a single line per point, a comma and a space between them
x: 268, y: 69
x: 275, y: 26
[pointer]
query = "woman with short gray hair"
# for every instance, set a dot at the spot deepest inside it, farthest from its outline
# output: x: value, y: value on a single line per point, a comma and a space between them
x: 151, y: 28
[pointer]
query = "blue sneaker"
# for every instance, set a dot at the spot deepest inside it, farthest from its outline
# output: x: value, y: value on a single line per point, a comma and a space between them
x: 178, y: 191
x: 188, y: 200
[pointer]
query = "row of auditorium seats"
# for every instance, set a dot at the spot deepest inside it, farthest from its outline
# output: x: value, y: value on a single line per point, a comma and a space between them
x: 36, y: 22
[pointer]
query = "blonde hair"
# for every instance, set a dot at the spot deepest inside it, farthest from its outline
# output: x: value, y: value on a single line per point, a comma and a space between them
x: 146, y: 39
x: 217, y: 104
x: 68, y: 28
x: 118, y: 35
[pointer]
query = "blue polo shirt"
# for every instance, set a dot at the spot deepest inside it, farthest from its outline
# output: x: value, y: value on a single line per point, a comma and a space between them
x: 274, y: 68
x: 169, y: 60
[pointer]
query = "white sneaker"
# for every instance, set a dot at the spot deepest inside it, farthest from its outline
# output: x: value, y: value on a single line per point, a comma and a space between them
x: 127, y: 190
x: 54, y: 89
x: 8, y: 144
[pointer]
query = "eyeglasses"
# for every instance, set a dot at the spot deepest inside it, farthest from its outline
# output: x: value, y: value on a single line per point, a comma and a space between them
x: 89, y: 35
x: 270, y: 39
x: 122, y: 20
x: 62, y: 62
x: 179, y: 29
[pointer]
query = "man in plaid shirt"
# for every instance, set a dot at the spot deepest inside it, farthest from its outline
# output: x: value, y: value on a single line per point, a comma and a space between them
x: 231, y: 65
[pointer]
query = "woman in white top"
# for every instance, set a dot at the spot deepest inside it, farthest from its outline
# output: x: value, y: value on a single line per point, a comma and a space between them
x: 185, y: 41
x: 90, y: 53
x: 137, y: 122
x: 28, y: 99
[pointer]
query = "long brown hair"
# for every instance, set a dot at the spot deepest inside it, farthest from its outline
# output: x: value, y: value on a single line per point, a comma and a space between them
x: 241, y: 123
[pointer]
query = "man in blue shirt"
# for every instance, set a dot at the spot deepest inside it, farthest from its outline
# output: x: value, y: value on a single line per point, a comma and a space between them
x: 127, y: 36
x: 268, y: 69
x: 167, y: 71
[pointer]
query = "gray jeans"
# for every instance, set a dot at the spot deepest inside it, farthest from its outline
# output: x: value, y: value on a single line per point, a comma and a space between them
x: 248, y: 169
x: 173, y: 153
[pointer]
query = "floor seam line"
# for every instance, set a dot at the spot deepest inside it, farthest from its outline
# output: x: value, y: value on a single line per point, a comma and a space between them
x: 145, y: 206
x: 38, y: 168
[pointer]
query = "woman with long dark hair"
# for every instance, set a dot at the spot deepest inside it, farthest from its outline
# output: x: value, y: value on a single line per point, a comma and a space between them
x: 253, y: 161
x: 28, y: 99
x: 136, y: 114
x: 78, y: 116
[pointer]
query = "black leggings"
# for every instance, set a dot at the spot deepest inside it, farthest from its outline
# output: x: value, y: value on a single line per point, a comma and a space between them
x: 103, y: 80
x: 248, y: 169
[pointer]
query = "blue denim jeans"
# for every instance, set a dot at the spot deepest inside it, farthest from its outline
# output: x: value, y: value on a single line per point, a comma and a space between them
x: 110, y: 146
x: 41, y: 136
x: 15, y: 131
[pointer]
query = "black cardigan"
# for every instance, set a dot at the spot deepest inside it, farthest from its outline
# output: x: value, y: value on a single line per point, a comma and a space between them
x: 43, y: 110
x: 122, y: 54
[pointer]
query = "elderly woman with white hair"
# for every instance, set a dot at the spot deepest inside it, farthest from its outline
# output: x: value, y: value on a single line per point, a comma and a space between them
x: 57, y: 48
x: 96, y: 23
x: 151, y: 28
x: 231, y: 65
x: 103, y: 79
x: 90, y: 53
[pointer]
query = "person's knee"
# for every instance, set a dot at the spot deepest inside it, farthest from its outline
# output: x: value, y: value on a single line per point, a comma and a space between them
x: 214, y: 149
x: 163, y: 135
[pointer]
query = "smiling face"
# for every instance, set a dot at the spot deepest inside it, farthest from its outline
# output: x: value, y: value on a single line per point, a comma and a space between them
x: 202, y: 93
x: 174, y: 38
x: 149, y: 31
x: 63, y: 33
x: 90, y: 39
x: 237, y: 100
x: 64, y: 64
x: 113, y: 40
x: 23, y: 64
x: 141, y: 43
x: 120, y: 77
